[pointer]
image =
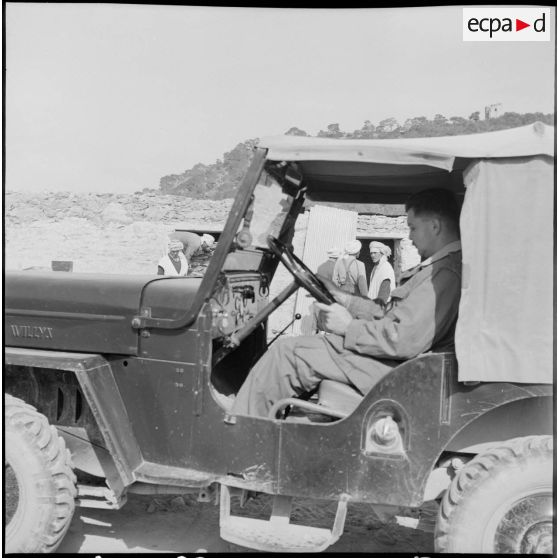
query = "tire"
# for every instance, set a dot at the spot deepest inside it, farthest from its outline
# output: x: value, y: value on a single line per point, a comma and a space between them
x: 501, y: 501
x: 40, y: 484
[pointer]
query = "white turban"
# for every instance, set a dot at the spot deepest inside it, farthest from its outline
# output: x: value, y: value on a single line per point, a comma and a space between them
x: 334, y: 252
x: 381, y: 247
x: 208, y: 239
x: 175, y: 245
x: 353, y: 247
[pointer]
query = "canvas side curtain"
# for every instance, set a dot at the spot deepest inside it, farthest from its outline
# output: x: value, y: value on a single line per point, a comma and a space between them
x: 505, y: 326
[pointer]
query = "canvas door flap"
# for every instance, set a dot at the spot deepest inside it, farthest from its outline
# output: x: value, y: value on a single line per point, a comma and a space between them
x: 505, y: 325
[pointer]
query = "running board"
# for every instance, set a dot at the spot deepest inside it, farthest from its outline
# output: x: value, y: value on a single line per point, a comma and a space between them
x: 89, y: 496
x: 277, y: 534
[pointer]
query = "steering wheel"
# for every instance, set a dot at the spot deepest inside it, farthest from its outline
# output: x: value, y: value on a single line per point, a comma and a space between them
x: 302, y: 275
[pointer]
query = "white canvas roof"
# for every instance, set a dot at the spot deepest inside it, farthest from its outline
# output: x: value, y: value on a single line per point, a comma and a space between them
x: 533, y: 139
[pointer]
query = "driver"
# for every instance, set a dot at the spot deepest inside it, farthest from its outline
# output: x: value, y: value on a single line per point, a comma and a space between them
x: 365, y: 339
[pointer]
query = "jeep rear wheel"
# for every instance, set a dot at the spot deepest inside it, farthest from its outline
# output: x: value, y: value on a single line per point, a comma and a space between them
x: 501, y: 501
x: 40, y: 484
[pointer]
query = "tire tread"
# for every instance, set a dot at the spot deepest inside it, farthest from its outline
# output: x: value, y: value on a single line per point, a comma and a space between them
x: 475, y: 471
x: 44, y: 437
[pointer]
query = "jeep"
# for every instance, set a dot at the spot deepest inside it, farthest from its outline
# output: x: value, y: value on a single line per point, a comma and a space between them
x: 117, y: 384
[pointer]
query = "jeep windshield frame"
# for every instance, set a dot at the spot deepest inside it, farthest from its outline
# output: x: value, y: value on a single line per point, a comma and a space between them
x: 290, y: 183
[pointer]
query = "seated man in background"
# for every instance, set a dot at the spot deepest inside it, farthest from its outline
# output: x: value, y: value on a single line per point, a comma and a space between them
x: 366, y: 339
x: 174, y: 263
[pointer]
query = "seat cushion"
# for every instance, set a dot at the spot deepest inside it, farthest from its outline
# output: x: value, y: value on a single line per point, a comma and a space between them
x: 338, y: 396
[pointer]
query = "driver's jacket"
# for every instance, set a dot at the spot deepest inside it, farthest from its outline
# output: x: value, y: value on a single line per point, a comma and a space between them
x: 421, y: 316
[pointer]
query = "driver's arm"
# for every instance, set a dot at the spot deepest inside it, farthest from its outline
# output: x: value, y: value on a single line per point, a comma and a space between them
x: 358, y: 306
x: 427, y: 313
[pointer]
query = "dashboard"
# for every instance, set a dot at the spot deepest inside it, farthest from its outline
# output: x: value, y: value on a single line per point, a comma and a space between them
x: 237, y: 298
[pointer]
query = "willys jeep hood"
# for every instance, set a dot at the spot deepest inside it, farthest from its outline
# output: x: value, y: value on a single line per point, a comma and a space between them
x: 88, y: 311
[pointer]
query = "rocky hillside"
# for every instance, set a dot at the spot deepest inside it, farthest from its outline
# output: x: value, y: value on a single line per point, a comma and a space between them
x: 111, y: 233
x: 216, y: 181
x: 22, y: 208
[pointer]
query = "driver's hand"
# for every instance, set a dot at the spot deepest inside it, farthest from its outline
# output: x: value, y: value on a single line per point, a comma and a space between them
x: 333, y: 318
x: 340, y: 296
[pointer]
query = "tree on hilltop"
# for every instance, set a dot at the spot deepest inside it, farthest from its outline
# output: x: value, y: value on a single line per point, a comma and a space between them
x: 221, y: 179
x: 215, y: 181
x: 294, y: 131
x: 332, y: 131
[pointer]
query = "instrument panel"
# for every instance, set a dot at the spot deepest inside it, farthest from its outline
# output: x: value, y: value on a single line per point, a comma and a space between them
x: 237, y: 298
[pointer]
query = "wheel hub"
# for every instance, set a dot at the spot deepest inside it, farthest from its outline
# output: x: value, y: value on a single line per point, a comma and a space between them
x: 526, y: 527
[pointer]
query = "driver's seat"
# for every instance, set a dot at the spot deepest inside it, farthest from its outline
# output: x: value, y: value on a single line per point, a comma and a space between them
x: 334, y: 399
x: 338, y: 396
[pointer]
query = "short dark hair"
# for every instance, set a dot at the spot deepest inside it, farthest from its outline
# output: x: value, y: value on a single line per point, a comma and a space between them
x: 436, y: 201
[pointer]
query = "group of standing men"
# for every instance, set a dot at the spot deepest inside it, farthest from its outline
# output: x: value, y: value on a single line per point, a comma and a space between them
x: 348, y: 273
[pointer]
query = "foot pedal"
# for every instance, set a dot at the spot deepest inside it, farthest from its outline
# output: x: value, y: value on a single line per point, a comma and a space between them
x: 277, y: 534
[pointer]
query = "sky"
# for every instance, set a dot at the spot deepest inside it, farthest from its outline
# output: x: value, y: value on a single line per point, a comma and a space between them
x: 111, y: 97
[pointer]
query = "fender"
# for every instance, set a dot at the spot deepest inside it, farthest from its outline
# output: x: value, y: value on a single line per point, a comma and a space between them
x: 96, y: 380
x: 491, y: 428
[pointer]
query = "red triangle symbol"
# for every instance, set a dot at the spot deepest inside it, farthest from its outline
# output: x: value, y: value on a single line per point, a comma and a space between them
x: 519, y: 25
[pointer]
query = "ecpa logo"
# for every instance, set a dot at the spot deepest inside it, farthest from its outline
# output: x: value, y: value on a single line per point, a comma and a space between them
x: 506, y: 24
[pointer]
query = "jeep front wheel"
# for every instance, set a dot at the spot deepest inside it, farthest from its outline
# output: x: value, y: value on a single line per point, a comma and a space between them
x: 39, y: 481
x: 501, y: 501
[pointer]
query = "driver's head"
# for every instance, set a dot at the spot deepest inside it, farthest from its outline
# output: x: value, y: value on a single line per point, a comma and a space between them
x: 433, y: 220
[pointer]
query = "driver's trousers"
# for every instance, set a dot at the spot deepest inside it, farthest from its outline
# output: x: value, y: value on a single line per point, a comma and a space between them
x: 295, y: 365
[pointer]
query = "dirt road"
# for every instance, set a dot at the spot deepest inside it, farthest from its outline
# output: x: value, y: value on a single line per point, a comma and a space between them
x: 147, y: 524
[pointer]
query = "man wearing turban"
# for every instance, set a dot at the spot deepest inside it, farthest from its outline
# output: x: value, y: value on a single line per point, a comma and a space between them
x: 349, y: 273
x: 194, y: 244
x: 326, y: 268
x: 174, y: 263
x: 382, y: 278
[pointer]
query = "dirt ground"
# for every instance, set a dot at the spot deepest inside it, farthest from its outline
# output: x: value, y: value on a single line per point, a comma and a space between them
x: 171, y: 524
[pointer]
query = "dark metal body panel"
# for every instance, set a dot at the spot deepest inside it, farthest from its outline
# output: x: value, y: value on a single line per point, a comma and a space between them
x: 159, y: 399
x: 87, y: 312
x: 432, y: 407
x: 161, y: 416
